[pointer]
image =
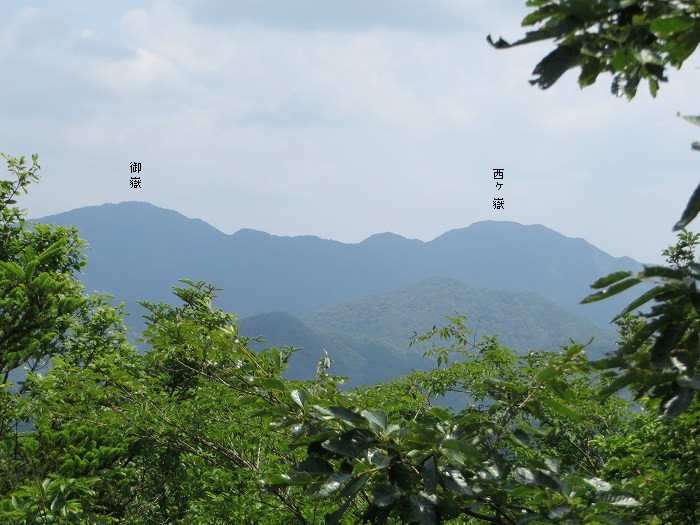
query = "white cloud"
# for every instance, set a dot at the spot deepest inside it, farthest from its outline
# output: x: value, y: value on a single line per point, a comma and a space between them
x: 337, y: 119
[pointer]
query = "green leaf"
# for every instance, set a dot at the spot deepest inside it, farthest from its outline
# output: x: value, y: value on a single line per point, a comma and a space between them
x: 333, y: 483
x: 690, y: 212
x: 554, y: 65
x: 345, y: 414
x: 666, y: 341
x: 335, y: 517
x: 561, y: 409
x: 535, y: 477
x: 545, y: 374
x: 376, y: 419
x: 385, y: 494
x: 666, y: 26
x: 422, y: 510
x: 619, y: 499
x: 453, y: 479
x: 296, y: 478
x: 610, y: 279
x: 639, y: 301
x: 599, y: 484
x: 299, y: 397
x: 429, y: 473
x: 612, y: 290
x: 350, y: 443
x: 353, y: 486
x: 621, y: 382
x: 462, y: 446
x: 614, y: 519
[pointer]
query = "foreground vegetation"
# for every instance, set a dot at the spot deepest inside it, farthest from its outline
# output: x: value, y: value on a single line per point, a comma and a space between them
x: 201, y: 429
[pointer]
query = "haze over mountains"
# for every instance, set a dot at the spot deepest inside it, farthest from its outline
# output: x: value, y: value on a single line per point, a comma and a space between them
x: 344, y: 296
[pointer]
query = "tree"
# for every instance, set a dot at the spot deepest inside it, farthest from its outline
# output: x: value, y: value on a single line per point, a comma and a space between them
x: 631, y: 39
x: 634, y: 40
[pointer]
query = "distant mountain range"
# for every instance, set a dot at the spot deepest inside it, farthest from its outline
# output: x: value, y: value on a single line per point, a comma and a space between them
x: 363, y: 300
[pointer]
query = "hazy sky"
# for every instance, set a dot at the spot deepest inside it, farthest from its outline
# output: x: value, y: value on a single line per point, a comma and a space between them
x: 336, y: 118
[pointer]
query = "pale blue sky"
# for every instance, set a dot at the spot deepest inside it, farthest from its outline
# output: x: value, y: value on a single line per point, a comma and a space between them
x: 336, y: 118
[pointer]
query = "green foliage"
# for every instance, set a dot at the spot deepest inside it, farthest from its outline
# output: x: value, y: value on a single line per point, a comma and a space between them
x: 633, y: 40
x: 202, y: 429
x: 662, y: 353
x: 408, y: 460
x: 38, y: 293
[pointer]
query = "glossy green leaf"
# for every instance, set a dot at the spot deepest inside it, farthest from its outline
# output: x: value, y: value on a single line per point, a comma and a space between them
x: 299, y: 397
x: 454, y: 480
x: 384, y: 494
x: 422, y: 510
x: 345, y: 414
x: 333, y: 483
x: 619, y: 499
x: 429, y: 473
x: 376, y: 419
x: 353, y: 486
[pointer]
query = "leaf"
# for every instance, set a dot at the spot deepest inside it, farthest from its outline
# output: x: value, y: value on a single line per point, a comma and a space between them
x: 554, y: 65
x: 666, y: 26
x: 353, y: 486
x: 614, y: 519
x: 639, y: 301
x: 545, y: 374
x: 314, y: 466
x: 598, y: 484
x: 376, y: 419
x: 429, y: 473
x: 350, y: 443
x: 454, y: 480
x: 333, y: 483
x: 535, y: 477
x: 296, y: 478
x: 462, y: 446
x: 334, y: 517
x: 345, y: 414
x: 422, y: 510
x: 610, y: 279
x: 690, y: 212
x: 665, y: 342
x: 619, y: 499
x: 299, y: 397
x: 561, y: 409
x: 620, y: 382
x: 385, y: 494
x: 612, y: 290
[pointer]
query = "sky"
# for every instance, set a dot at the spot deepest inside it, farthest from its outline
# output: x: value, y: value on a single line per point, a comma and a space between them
x: 336, y: 118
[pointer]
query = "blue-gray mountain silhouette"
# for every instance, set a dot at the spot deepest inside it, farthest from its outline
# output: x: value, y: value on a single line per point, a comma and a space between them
x: 324, y: 292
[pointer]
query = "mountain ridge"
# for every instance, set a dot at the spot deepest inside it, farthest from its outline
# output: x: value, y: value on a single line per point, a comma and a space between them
x: 261, y: 272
